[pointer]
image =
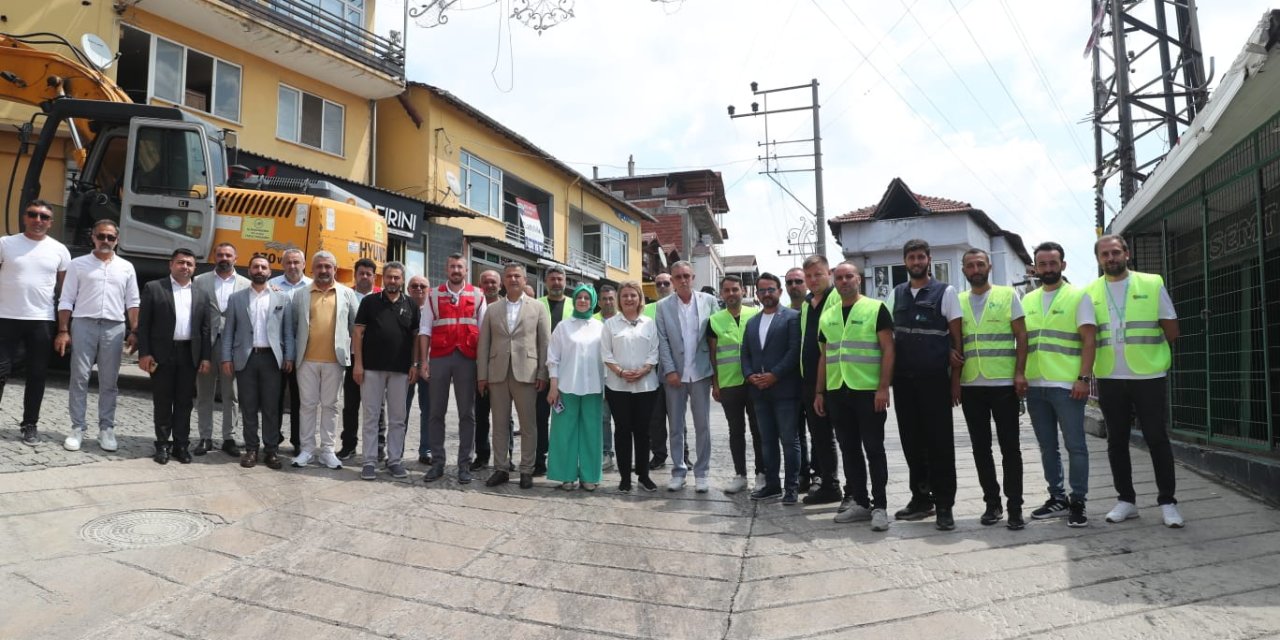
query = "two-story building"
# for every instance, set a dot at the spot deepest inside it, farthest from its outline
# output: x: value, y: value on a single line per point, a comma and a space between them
x: 528, y: 206
x: 873, y: 237
x: 296, y: 80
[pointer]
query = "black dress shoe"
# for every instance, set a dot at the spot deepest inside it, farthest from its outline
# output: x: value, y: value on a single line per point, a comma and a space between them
x: 945, y: 521
x: 346, y: 452
x: 478, y: 465
x: 181, y: 454
x: 526, y: 481
x: 162, y: 454
x: 914, y: 511
x: 272, y: 460
x: 828, y: 494
x: 498, y: 477
x: 426, y: 460
x: 229, y: 447
x: 202, y: 447
x: 657, y: 462
x: 539, y: 470
x: 992, y: 515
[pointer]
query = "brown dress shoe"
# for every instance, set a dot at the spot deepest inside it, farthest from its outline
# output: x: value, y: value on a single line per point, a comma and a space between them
x: 272, y: 460
x: 498, y: 477
x: 249, y: 458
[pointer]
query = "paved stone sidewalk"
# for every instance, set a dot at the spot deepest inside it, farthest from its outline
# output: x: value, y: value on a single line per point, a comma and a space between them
x: 320, y: 554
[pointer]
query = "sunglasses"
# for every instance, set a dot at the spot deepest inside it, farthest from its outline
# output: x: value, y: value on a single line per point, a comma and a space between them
x: 42, y: 216
x: 663, y: 284
x: 795, y: 282
x: 105, y: 237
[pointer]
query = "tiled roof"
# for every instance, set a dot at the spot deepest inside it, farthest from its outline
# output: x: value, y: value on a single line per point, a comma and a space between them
x: 928, y: 204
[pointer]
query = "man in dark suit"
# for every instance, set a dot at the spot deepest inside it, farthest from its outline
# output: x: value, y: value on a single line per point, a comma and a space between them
x: 771, y: 364
x: 173, y: 345
x: 257, y: 342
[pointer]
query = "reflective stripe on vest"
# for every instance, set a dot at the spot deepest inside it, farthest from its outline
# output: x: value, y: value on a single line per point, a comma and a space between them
x: 728, y: 356
x: 1146, y: 350
x: 853, y: 349
x: 827, y: 303
x: 454, y: 324
x: 989, y: 346
x: 1053, y: 341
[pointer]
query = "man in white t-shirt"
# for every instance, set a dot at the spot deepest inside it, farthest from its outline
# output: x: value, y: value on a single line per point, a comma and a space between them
x: 1137, y: 325
x: 32, y: 266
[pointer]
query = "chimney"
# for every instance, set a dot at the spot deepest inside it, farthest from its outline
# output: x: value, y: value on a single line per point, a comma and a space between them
x: 595, y: 173
x: 631, y: 166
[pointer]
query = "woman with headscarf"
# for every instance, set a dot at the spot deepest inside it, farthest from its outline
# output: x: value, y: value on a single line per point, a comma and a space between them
x: 575, y: 452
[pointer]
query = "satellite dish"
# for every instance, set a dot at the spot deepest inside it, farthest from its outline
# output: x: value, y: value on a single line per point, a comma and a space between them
x: 97, y: 51
x: 454, y: 185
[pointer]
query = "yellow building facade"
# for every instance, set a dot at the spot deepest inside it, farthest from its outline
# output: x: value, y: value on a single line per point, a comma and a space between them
x: 527, y: 206
x: 296, y: 80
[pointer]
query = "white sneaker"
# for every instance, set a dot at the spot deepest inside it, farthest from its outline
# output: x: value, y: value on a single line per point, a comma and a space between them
x: 328, y: 459
x: 608, y: 462
x: 702, y: 485
x: 1172, y: 518
x: 676, y: 484
x: 855, y: 513
x: 107, y: 440
x: 72, y: 443
x: 879, y: 520
x: 1122, y: 511
x: 737, y: 484
x: 303, y: 459
x: 761, y: 481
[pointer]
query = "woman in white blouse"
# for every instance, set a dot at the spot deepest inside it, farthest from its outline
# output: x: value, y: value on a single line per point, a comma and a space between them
x: 575, y: 451
x: 630, y: 350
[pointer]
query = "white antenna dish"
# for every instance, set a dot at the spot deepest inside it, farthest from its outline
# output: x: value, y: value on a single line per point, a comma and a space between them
x: 454, y: 185
x: 97, y: 51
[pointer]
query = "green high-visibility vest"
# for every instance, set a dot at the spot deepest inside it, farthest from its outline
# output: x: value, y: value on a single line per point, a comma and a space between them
x: 1053, y: 339
x: 728, y: 355
x: 1146, y: 350
x: 853, y: 348
x: 566, y: 309
x: 989, y: 346
x: 832, y: 300
x: 651, y: 310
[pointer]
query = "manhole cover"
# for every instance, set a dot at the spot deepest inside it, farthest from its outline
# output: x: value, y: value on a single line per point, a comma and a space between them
x: 146, y: 528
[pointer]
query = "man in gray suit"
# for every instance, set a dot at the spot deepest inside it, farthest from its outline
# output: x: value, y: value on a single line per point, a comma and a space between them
x: 217, y: 286
x: 771, y: 364
x: 258, y: 342
x: 685, y: 363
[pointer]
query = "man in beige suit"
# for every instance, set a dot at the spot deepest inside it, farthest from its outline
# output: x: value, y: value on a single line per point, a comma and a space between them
x: 511, y: 367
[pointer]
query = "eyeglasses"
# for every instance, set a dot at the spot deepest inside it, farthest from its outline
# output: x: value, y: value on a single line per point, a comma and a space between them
x: 794, y: 283
x: 105, y: 237
x: 663, y: 284
x: 768, y: 291
x: 42, y: 216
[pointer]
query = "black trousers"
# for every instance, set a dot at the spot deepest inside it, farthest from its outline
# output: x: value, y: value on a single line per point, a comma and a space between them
x: 860, y: 429
x: 822, y: 440
x: 259, y: 385
x: 658, y: 424
x: 981, y: 405
x: 1148, y: 400
x: 806, y: 465
x: 290, y: 384
x: 37, y: 337
x: 351, y: 417
x: 484, y: 448
x: 740, y: 412
x: 544, y: 421
x: 631, y: 413
x: 173, y: 390
x: 923, y: 407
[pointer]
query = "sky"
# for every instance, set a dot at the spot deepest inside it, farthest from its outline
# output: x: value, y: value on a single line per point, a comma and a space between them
x: 982, y: 101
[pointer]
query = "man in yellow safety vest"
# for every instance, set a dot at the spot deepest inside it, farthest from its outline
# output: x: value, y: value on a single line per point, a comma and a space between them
x: 729, y: 386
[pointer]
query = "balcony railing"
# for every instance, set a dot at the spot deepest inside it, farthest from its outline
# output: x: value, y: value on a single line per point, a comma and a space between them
x: 544, y: 247
x: 585, y: 262
x: 307, y: 20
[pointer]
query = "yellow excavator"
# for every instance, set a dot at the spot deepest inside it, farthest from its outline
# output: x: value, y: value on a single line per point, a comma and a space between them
x: 163, y: 175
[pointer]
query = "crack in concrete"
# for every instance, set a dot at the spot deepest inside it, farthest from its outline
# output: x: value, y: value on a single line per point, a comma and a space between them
x: 742, y: 571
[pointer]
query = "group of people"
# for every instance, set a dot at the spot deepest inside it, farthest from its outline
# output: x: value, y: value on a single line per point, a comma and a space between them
x: 618, y: 381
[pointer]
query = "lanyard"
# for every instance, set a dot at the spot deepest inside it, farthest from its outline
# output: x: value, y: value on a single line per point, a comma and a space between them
x: 1117, y: 318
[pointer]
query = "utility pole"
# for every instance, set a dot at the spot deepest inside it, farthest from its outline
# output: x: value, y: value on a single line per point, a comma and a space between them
x: 772, y: 160
x: 1136, y: 94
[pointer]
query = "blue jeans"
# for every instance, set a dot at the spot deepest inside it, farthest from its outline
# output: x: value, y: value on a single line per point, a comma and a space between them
x: 424, y: 408
x: 1052, y: 409
x: 777, y: 420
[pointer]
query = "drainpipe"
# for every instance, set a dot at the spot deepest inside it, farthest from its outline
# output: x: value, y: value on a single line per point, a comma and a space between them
x: 373, y: 142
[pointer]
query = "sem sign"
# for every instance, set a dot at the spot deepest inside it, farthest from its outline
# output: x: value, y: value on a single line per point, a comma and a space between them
x: 399, y: 222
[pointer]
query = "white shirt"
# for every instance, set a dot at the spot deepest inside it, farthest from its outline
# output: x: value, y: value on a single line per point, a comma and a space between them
x: 630, y: 346
x: 223, y: 288
x: 1084, y: 315
x: 259, y: 308
x: 573, y: 356
x: 689, y: 331
x: 513, y: 311
x: 28, y: 275
x: 282, y: 284
x: 181, y: 309
x: 978, y: 302
x: 1118, y: 293
x: 429, y: 317
x: 98, y: 289
x: 766, y: 319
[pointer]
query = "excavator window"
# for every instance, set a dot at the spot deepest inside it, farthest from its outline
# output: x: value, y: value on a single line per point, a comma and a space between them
x: 168, y: 162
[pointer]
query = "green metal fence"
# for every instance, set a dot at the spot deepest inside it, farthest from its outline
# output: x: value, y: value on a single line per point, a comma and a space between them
x: 1216, y: 241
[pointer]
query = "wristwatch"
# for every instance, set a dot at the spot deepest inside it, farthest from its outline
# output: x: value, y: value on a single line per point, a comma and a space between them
x: 1084, y: 378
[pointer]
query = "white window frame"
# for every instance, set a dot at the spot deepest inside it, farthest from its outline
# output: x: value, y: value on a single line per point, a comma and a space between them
x: 182, y: 80
x: 609, y: 235
x: 297, y: 133
x: 465, y: 169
